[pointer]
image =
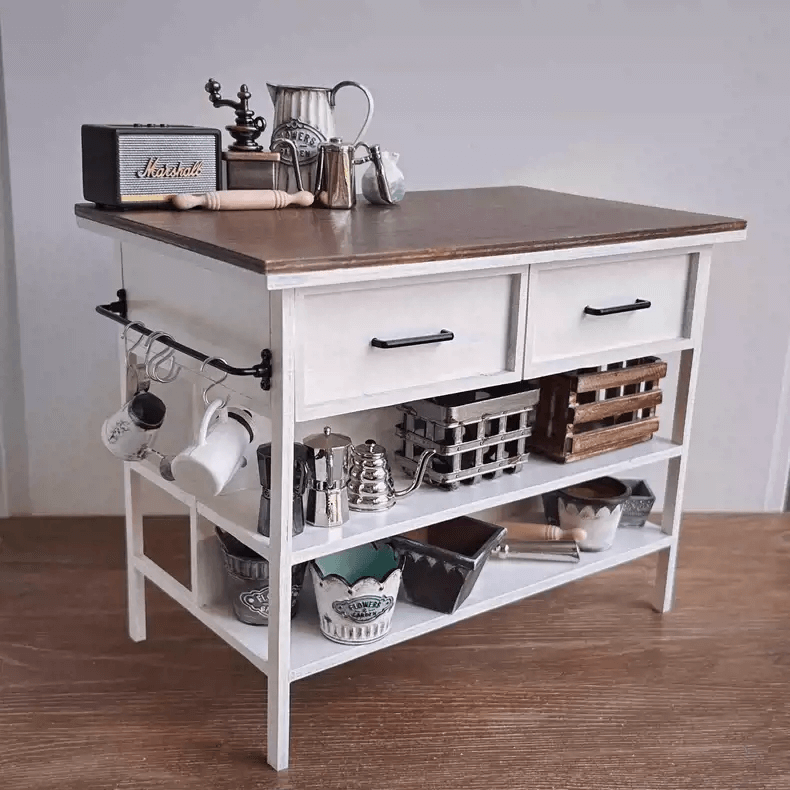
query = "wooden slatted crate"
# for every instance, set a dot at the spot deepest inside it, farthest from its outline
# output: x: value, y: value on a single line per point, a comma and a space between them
x: 590, y: 411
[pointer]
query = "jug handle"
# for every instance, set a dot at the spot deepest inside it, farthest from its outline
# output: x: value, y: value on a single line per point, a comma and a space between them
x: 368, y: 96
x: 211, y: 411
x: 419, y: 474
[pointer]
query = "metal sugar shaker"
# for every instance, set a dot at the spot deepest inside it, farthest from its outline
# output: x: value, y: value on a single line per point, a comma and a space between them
x: 327, y: 470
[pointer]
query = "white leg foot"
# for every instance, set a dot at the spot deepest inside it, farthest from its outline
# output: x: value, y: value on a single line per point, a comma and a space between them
x: 135, y: 581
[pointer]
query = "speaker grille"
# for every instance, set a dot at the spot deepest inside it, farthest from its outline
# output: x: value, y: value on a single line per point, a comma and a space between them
x: 169, y: 150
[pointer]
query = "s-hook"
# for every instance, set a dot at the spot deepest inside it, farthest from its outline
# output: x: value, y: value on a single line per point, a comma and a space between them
x: 213, y: 384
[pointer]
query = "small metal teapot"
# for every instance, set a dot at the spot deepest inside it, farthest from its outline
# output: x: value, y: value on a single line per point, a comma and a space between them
x: 335, y: 183
x: 370, y: 484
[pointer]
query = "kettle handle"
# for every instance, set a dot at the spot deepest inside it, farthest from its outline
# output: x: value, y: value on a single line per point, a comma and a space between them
x: 368, y: 96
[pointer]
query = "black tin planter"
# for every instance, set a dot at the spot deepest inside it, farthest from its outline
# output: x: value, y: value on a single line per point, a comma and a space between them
x: 442, y: 562
x: 248, y: 580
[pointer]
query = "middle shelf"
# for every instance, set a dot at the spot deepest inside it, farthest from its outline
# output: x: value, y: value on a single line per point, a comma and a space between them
x: 237, y: 513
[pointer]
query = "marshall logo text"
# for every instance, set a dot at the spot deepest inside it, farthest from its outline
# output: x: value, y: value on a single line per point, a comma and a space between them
x: 155, y: 169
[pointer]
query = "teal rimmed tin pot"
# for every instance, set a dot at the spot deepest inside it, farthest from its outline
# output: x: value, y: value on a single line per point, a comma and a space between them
x: 356, y: 591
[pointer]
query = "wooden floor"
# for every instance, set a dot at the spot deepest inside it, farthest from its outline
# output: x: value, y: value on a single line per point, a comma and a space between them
x: 581, y: 688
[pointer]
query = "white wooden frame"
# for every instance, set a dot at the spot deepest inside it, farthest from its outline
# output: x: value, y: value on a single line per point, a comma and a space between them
x: 290, y: 650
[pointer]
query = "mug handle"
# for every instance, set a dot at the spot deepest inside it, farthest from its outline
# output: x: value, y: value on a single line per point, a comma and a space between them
x: 368, y: 96
x: 212, y: 409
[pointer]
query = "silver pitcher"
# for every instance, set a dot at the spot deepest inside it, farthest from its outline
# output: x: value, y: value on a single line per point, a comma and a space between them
x: 327, y: 474
x: 335, y: 180
x: 370, y: 484
x: 304, y: 115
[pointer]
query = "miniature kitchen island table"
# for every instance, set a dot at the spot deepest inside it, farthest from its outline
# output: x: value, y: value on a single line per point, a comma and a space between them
x: 524, y: 279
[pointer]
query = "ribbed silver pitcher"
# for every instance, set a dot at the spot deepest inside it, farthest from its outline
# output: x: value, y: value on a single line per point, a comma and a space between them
x: 304, y: 115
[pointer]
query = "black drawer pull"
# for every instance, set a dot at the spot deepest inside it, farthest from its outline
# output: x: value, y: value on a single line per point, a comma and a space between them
x: 639, y: 304
x: 401, y: 342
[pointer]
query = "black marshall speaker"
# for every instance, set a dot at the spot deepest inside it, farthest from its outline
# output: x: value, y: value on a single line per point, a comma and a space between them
x: 145, y: 164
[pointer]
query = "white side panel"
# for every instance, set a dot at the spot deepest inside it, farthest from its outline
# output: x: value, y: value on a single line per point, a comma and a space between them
x: 221, y: 314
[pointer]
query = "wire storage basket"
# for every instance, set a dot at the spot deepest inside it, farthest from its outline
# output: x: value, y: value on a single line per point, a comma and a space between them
x: 477, y: 435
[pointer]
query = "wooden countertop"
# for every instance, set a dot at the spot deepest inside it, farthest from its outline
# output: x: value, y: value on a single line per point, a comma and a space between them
x: 427, y: 226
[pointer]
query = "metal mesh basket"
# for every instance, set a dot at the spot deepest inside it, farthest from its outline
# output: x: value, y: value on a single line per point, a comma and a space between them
x: 477, y: 435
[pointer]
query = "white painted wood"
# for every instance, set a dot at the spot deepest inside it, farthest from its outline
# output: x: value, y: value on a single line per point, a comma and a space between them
x: 135, y: 582
x: 229, y: 629
x: 336, y: 362
x: 220, y: 314
x: 501, y: 582
x: 558, y: 295
x: 283, y: 333
x: 238, y: 513
x: 681, y: 432
x: 208, y: 572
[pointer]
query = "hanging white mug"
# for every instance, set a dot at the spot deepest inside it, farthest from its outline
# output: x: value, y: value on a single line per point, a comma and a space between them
x: 130, y: 432
x: 207, y: 466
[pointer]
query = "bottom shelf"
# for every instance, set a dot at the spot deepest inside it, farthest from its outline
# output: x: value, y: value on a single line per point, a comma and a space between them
x: 501, y: 582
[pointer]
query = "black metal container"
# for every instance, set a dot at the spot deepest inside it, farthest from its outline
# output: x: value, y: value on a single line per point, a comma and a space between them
x: 442, y: 562
x: 248, y: 581
x: 300, y: 483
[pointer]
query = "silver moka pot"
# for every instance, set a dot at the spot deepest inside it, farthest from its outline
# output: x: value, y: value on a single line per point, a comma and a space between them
x: 370, y: 484
x: 327, y: 473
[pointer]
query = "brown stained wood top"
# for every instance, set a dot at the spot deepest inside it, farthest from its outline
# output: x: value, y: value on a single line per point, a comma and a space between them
x: 582, y: 688
x: 427, y: 226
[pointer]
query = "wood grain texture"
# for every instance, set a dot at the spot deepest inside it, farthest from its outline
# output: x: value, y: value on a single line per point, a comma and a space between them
x: 582, y: 689
x: 427, y: 226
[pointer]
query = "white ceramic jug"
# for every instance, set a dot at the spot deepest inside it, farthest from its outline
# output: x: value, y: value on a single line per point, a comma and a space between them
x: 207, y: 466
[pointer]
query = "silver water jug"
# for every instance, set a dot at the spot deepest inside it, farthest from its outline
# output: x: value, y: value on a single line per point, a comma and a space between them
x: 370, y: 483
x: 305, y: 115
x: 327, y: 475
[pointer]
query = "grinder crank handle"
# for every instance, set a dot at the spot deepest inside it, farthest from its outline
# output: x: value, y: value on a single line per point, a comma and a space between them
x: 239, y: 199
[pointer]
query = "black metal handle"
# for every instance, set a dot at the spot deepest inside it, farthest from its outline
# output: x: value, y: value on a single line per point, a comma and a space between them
x: 401, y: 342
x: 639, y: 304
x: 118, y: 311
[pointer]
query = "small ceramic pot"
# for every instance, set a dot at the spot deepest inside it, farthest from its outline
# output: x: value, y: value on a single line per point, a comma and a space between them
x: 356, y: 591
x: 248, y: 581
x: 638, y: 506
x: 595, y: 507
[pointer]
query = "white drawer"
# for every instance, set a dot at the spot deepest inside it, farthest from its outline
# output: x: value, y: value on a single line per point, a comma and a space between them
x: 339, y: 367
x: 563, y: 300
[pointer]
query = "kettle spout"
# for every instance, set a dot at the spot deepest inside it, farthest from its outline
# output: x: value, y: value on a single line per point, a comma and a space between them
x: 273, y: 89
x: 419, y: 474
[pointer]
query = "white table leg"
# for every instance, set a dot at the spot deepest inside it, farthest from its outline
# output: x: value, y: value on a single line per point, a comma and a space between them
x: 135, y: 581
x: 681, y: 431
x: 282, y: 411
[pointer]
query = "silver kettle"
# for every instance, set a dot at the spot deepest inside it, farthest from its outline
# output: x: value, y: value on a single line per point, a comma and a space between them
x: 370, y: 484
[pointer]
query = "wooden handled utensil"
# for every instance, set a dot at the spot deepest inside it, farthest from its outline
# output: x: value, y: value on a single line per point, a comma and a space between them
x: 240, y: 199
x: 520, y: 530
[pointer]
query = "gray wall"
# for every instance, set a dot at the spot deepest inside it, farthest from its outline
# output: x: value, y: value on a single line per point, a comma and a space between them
x: 681, y: 104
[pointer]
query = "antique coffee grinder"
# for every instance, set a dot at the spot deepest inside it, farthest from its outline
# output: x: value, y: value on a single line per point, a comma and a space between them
x: 247, y: 165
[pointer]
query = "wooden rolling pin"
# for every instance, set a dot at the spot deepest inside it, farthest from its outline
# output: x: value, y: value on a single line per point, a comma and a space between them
x: 239, y: 199
x: 519, y: 530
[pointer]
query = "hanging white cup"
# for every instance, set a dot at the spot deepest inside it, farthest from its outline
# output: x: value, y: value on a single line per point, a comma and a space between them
x: 207, y: 466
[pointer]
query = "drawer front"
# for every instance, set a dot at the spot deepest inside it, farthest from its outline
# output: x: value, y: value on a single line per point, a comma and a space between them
x: 340, y: 368
x: 563, y: 301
